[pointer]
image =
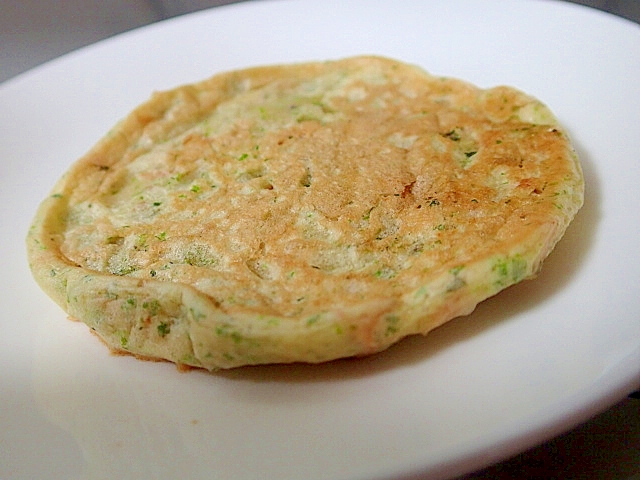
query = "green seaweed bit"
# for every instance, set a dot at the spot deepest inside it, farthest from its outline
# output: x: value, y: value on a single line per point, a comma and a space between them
x: 197, y: 316
x: 456, y: 270
x: 129, y: 304
x: 124, y: 339
x: 177, y: 178
x: 453, y: 135
x: 57, y: 195
x: 518, y: 268
x: 197, y: 257
x: 226, y: 331
x: 152, y: 306
x: 164, y: 329
x: 385, y: 273
x: 115, y: 240
x: 125, y: 270
x: 236, y: 337
x: 228, y: 356
x: 501, y: 268
x: 307, y: 118
x: 141, y: 242
x: 162, y: 236
x: 392, y: 325
x: 422, y: 292
x: 313, y: 319
x: 189, y: 359
x: 273, y: 322
x: 510, y: 269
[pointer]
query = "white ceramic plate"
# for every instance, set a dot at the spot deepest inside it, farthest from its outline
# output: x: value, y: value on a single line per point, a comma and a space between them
x: 527, y: 365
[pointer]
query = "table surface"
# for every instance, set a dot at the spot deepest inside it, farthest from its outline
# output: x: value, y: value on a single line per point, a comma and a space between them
x: 607, y: 446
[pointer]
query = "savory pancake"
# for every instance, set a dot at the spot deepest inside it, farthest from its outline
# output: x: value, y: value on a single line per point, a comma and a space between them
x: 303, y: 213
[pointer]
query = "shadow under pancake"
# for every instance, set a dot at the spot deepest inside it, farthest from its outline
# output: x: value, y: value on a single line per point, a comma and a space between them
x: 562, y: 265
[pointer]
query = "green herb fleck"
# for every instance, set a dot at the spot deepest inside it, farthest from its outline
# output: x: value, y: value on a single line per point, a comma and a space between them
x: 130, y: 303
x: 164, y: 329
x: 453, y: 135
x: 115, y: 240
x: 198, y: 256
x: 226, y: 331
x: 385, y: 273
x: 518, y: 268
x: 222, y: 331
x: 510, y: 270
x: 125, y: 270
x: 236, y: 337
x: 392, y: 325
x: 422, y: 292
x: 141, y: 242
x: 313, y: 319
x: 152, y: 306
x: 197, y: 316
x: 367, y: 215
x: 501, y: 268
x: 456, y: 270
